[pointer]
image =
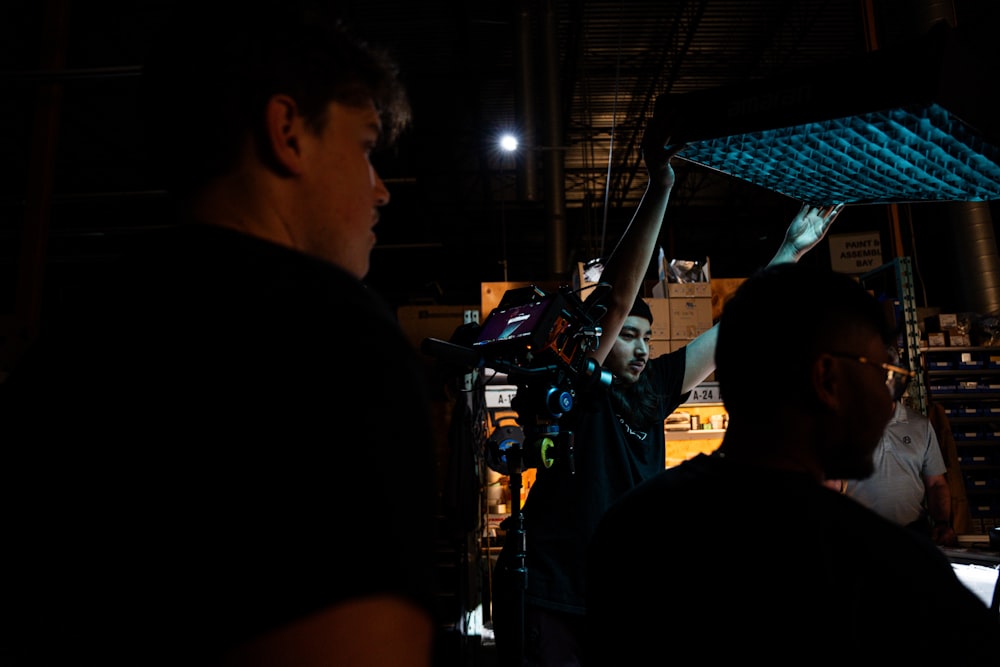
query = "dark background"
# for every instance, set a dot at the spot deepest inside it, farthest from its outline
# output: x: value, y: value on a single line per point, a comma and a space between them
x: 579, y: 77
x: 73, y: 184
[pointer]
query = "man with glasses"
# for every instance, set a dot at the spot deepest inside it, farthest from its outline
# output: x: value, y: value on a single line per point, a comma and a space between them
x: 744, y: 554
x: 896, y: 377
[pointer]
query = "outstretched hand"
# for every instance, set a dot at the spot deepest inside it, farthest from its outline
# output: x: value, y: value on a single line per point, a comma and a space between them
x: 657, y: 159
x: 808, y: 228
x: 655, y: 152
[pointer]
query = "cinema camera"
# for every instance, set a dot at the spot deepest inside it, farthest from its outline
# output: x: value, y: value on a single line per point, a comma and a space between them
x: 540, y: 340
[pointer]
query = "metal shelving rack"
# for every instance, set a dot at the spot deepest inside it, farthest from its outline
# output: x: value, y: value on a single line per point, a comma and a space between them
x: 966, y: 382
x: 901, y: 288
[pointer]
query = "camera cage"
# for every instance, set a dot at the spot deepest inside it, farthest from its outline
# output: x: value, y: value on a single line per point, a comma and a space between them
x: 541, y: 341
x: 532, y: 332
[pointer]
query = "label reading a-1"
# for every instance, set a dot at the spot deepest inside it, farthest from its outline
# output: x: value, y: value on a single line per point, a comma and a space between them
x: 500, y: 396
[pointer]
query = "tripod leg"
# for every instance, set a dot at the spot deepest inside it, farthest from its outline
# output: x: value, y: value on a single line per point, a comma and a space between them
x: 511, y: 576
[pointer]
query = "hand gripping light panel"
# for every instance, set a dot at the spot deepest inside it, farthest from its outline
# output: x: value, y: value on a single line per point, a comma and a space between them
x: 905, y: 125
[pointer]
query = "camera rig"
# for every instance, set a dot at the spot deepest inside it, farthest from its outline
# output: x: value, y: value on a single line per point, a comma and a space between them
x: 541, y: 340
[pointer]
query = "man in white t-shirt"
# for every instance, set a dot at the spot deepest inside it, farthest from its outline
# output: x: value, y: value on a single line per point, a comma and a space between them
x: 909, y: 485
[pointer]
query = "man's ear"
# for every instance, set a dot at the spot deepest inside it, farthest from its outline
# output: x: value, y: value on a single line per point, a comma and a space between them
x: 283, y: 129
x: 826, y: 379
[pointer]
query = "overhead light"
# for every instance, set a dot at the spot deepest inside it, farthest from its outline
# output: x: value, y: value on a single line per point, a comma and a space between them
x: 508, y: 143
x: 916, y: 123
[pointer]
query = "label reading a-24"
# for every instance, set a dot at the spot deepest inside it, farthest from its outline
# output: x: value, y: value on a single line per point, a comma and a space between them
x: 706, y: 392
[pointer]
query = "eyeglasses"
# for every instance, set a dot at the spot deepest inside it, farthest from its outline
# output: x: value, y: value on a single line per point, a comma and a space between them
x: 896, y: 377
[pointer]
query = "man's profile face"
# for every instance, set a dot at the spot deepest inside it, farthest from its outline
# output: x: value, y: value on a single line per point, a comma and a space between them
x: 627, y: 358
x: 867, y: 407
x: 343, y: 190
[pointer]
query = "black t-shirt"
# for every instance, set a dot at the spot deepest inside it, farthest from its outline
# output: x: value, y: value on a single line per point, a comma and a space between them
x: 741, y: 564
x: 563, y: 508
x: 226, y: 437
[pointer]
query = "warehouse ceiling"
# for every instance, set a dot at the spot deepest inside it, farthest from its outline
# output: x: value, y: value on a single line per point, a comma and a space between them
x: 576, y: 79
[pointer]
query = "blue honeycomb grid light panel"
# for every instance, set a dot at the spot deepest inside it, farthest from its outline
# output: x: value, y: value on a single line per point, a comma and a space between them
x: 896, y: 156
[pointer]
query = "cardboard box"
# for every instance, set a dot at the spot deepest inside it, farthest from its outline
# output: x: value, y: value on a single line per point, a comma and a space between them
x: 690, y: 317
x: 958, y: 340
x: 936, y: 340
x: 588, y: 274
x: 722, y: 290
x: 688, y: 290
x: 947, y: 321
x: 668, y: 273
x: 661, y: 316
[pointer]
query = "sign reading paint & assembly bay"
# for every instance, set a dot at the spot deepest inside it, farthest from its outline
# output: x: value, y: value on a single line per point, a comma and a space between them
x: 855, y: 253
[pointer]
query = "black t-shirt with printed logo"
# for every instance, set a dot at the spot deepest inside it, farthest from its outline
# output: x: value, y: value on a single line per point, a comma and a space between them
x: 564, y: 507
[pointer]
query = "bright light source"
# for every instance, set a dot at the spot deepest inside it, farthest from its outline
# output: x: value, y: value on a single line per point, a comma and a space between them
x: 508, y: 142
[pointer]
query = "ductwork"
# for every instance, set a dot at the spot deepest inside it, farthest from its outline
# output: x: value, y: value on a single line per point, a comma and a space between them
x: 978, y: 260
x: 972, y: 222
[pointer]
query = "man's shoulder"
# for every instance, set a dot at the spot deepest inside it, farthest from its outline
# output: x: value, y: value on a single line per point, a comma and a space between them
x: 195, y: 294
x: 690, y: 478
x: 218, y: 271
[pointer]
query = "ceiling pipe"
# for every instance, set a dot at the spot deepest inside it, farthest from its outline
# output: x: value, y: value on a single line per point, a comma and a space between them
x: 540, y: 119
x: 526, y: 112
x: 553, y: 157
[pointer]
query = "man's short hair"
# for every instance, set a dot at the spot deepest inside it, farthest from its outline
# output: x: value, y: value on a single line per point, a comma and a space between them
x: 213, y: 66
x: 641, y: 309
x: 775, y: 325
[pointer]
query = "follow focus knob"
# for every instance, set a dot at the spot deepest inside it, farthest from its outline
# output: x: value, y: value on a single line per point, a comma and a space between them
x: 558, y: 401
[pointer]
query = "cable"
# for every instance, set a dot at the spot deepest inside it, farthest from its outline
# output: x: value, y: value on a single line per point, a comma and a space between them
x: 611, y: 144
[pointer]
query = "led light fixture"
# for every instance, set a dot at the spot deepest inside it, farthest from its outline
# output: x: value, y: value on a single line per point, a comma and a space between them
x: 904, y: 125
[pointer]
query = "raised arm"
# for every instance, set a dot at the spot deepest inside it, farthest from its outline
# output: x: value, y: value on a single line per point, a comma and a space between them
x: 807, y: 229
x: 626, y: 267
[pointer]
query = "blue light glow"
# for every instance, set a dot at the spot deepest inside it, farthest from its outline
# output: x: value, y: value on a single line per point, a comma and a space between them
x: 901, y: 155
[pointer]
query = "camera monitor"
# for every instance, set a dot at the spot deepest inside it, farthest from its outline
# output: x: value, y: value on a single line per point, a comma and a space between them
x: 524, y: 324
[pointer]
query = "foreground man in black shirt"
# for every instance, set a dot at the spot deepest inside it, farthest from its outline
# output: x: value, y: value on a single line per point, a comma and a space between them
x: 199, y: 468
x: 745, y: 554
